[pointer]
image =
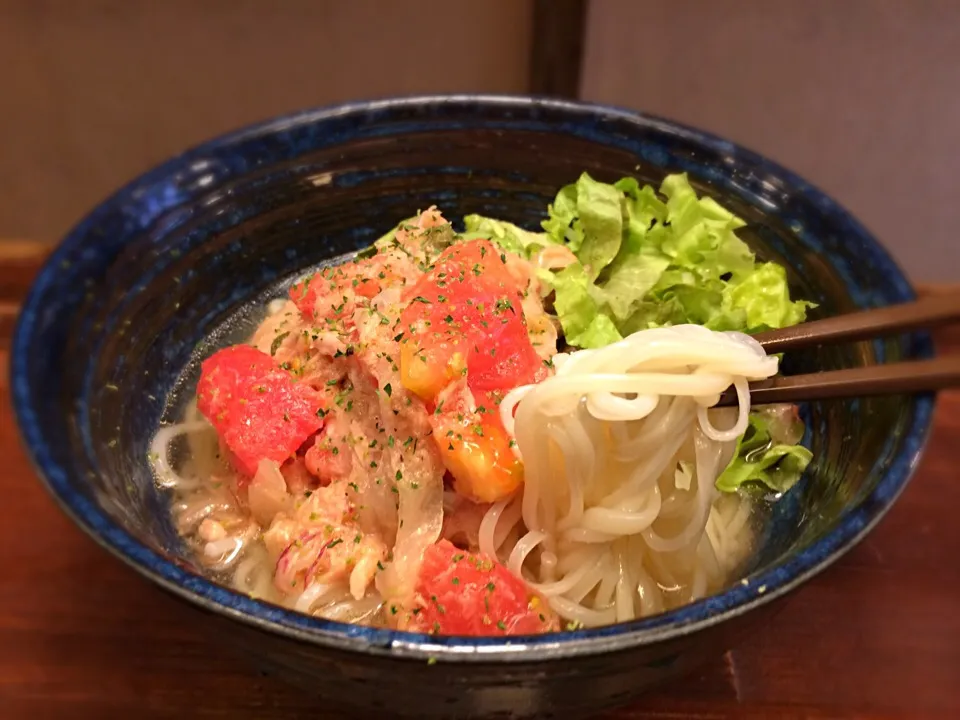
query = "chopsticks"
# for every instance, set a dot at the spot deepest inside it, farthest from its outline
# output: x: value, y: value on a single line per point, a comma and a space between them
x: 905, y: 377
x: 925, y: 313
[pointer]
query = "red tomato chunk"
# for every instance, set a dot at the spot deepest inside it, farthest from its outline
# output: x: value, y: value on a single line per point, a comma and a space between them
x: 256, y: 408
x: 464, y: 318
x: 460, y: 593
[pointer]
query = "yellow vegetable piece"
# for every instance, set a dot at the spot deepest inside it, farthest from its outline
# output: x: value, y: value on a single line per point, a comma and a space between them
x: 479, y: 457
x: 425, y: 374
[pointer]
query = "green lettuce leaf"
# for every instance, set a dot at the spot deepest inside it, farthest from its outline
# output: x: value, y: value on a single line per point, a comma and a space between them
x: 764, y: 298
x: 601, y: 218
x: 640, y: 263
x: 588, y: 218
x: 629, y: 280
x: 649, y: 260
x: 759, y: 459
x: 506, y: 235
x: 643, y: 209
x: 579, y: 312
x: 561, y: 214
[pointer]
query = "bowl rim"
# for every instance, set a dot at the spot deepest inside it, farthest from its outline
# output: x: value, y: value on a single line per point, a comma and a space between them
x: 740, y: 598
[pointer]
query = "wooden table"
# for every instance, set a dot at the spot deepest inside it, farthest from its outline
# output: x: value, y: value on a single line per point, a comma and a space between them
x: 877, y: 635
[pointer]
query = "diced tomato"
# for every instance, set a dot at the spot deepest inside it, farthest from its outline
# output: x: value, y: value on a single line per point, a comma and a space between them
x: 256, y: 407
x: 464, y: 318
x: 223, y: 373
x: 304, y: 295
x: 508, y: 360
x: 461, y: 593
x: 367, y: 287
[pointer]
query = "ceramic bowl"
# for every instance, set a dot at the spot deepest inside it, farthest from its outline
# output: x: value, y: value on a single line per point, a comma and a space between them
x: 187, y: 254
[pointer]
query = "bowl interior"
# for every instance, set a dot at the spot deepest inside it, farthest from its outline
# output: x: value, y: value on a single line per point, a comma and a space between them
x: 183, y: 260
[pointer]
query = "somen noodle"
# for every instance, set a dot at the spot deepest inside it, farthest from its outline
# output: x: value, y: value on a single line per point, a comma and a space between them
x: 602, y: 443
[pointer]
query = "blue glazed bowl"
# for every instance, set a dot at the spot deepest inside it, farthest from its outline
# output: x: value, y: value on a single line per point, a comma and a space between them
x: 187, y: 253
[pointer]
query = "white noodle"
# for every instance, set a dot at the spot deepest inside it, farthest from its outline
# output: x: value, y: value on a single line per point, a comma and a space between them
x: 311, y: 596
x: 601, y: 441
x: 160, y: 453
x: 497, y: 522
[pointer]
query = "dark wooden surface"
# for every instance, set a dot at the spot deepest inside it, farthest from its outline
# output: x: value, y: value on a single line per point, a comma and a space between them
x: 876, y: 636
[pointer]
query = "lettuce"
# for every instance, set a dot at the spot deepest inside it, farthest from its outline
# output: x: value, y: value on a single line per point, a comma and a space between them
x: 506, y: 235
x: 760, y: 459
x: 601, y: 223
x: 764, y: 299
x: 649, y: 260
x: 584, y: 325
x: 560, y: 225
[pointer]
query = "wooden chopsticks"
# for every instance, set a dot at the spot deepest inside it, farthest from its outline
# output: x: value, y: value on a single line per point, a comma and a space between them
x: 905, y: 377
x: 917, y: 315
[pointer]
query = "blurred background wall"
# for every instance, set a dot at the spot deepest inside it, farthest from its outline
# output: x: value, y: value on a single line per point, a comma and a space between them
x: 860, y: 96
x: 96, y: 91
